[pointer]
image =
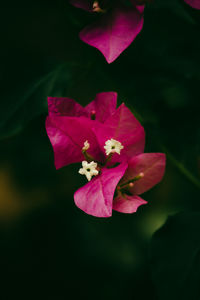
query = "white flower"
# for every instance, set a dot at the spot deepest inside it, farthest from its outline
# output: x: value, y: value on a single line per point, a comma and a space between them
x: 88, y: 169
x: 86, y: 146
x: 113, y: 146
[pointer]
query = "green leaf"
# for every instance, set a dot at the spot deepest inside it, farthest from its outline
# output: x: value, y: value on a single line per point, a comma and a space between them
x: 175, y: 257
x: 21, y: 106
x: 67, y: 80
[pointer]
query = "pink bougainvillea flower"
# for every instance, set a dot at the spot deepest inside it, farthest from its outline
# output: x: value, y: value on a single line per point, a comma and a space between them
x: 69, y: 126
x: 193, y: 3
x: 117, y: 27
x: 144, y: 171
x: 110, y: 147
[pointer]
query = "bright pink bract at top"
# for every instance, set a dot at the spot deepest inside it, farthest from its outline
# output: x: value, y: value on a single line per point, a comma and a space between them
x: 121, y: 176
x: 116, y: 28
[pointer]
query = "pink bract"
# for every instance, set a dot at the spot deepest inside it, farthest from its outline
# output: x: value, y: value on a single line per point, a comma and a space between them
x: 96, y: 197
x: 115, y: 30
x: 103, y: 105
x: 193, y: 3
x: 128, y: 204
x: 67, y: 136
x: 69, y: 125
x: 124, y: 127
x: 152, y: 168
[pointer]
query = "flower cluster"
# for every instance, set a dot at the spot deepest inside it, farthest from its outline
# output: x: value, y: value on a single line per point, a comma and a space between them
x: 109, y: 142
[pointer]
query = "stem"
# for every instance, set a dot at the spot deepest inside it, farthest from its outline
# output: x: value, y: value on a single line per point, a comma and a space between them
x: 136, y: 178
x: 89, y: 158
x: 181, y: 168
x: 109, y: 157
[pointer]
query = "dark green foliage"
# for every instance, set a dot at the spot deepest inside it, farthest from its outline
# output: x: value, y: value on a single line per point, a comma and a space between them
x: 175, y: 257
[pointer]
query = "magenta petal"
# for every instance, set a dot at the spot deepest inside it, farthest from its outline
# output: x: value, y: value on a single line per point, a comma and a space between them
x: 84, y: 4
x: 67, y: 136
x: 125, y: 128
x: 104, y: 105
x: 193, y: 3
x: 114, y: 32
x: 152, y: 165
x: 60, y: 106
x: 140, y: 8
x: 127, y: 204
x: 96, y: 197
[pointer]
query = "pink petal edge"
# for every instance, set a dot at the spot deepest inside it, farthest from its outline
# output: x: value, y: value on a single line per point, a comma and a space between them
x: 128, y: 204
x: 96, y: 197
x: 152, y: 165
x: 64, y: 106
x: 193, y: 3
x: 104, y: 105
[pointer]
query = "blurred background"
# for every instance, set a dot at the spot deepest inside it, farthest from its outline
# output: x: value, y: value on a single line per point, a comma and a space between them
x: 49, y: 249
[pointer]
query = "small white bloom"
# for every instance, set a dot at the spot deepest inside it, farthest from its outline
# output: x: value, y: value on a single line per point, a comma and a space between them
x: 86, y: 146
x: 113, y: 146
x: 88, y: 169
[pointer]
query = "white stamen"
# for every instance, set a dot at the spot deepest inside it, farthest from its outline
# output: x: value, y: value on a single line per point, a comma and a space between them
x: 113, y: 146
x: 88, y: 169
x: 86, y: 146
